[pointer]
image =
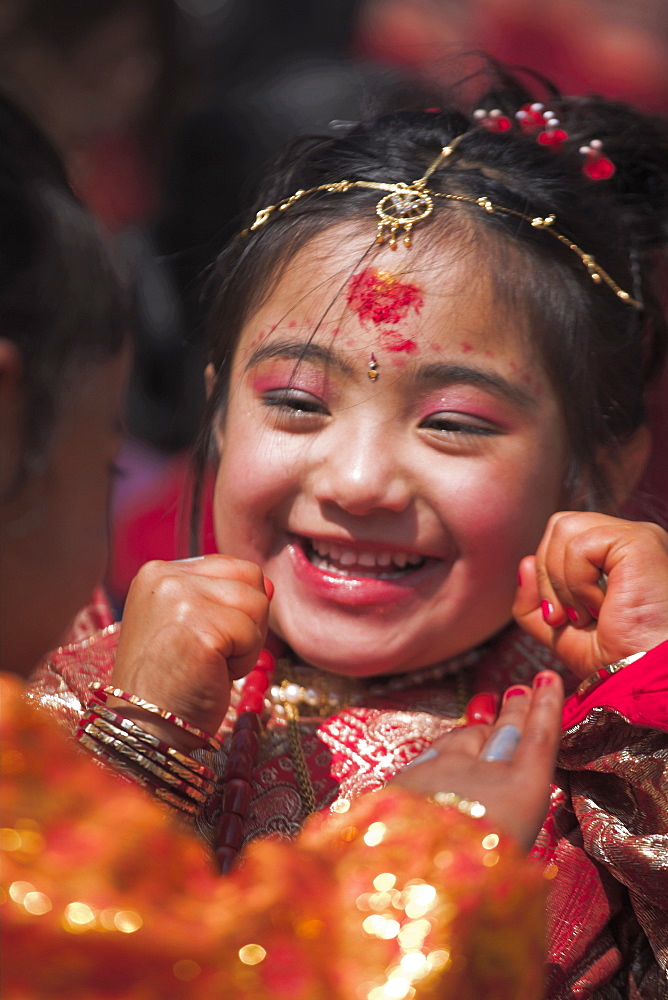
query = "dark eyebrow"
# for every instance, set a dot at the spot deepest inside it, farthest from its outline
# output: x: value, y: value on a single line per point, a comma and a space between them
x: 301, y: 351
x: 443, y: 374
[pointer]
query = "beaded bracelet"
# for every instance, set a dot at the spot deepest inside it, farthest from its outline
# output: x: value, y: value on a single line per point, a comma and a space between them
x: 176, y: 801
x: 598, y: 676
x: 469, y: 807
x: 101, y: 692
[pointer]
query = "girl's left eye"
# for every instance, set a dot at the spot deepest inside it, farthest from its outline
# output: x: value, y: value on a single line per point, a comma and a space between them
x: 458, y: 424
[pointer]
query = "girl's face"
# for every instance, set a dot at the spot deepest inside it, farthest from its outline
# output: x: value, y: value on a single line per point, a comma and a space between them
x: 391, y: 514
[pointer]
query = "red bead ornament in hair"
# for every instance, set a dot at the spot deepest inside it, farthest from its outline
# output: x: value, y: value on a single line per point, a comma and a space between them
x: 531, y: 117
x: 596, y: 166
x: 552, y: 135
x: 493, y: 121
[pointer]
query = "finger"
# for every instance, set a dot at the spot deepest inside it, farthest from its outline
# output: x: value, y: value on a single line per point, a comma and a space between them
x: 549, y: 576
x: 582, y: 575
x: 219, y: 567
x: 528, y: 608
x: 536, y: 751
x: 482, y: 709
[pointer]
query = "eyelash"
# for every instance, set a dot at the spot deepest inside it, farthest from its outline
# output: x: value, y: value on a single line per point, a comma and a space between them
x: 294, y: 403
x: 453, y: 425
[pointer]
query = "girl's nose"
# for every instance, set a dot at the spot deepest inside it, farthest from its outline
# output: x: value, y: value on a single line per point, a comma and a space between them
x: 360, y: 472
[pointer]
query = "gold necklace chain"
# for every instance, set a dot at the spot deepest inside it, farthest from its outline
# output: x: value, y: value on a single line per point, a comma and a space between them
x: 300, y: 766
x: 292, y: 720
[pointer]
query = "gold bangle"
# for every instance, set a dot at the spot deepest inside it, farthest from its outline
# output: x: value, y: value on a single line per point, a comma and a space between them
x: 121, y: 724
x: 598, y: 676
x: 175, y: 784
x: 150, y: 753
x: 451, y: 800
x: 101, y: 692
x: 176, y: 801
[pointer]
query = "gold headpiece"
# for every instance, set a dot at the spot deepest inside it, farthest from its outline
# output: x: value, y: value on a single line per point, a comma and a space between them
x: 404, y: 205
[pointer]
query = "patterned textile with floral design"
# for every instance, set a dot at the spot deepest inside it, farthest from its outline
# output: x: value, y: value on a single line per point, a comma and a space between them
x: 603, y: 846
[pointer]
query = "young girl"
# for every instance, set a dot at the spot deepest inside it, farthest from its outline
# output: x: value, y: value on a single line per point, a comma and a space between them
x: 100, y: 896
x: 429, y: 358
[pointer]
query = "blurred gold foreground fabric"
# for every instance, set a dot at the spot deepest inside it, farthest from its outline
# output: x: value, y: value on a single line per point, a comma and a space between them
x: 102, y: 896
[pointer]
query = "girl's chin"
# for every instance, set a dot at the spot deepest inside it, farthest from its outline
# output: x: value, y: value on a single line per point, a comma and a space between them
x: 325, y: 653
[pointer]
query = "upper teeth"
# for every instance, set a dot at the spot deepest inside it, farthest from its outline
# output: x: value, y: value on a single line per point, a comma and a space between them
x: 350, y: 557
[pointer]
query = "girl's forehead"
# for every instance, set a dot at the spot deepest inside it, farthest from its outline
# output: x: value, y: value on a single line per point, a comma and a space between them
x: 403, y: 303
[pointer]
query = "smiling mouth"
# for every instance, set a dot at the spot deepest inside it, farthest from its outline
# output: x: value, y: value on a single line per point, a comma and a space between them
x: 338, y: 560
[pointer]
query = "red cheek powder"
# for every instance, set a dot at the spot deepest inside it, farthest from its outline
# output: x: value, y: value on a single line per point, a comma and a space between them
x: 381, y: 298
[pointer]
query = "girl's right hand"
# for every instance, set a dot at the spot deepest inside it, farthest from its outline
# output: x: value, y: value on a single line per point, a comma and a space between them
x: 190, y: 628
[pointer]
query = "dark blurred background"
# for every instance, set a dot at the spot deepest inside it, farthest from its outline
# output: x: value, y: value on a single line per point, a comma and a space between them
x: 168, y: 112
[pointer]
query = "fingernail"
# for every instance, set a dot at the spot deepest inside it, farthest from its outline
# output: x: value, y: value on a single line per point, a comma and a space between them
x: 542, y: 680
x: 512, y: 692
x: 519, y: 579
x: 593, y: 612
x: 482, y: 709
x: 572, y: 614
x: 268, y: 587
x: 547, y: 609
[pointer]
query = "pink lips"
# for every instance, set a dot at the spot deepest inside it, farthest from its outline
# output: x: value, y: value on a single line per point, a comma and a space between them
x: 355, y: 590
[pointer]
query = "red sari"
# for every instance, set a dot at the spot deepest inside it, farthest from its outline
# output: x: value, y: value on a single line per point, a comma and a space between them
x: 603, y: 846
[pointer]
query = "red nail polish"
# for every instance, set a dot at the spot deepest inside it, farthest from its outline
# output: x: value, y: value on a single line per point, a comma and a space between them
x: 268, y: 587
x: 543, y: 680
x: 593, y: 612
x: 572, y: 614
x: 547, y: 609
x: 512, y: 692
x: 519, y: 579
x: 482, y: 709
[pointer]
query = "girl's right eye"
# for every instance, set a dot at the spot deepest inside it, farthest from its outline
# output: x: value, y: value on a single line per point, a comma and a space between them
x: 294, y: 404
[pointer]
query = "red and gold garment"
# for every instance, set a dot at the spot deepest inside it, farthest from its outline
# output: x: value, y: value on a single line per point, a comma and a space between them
x: 102, y: 898
x: 603, y: 846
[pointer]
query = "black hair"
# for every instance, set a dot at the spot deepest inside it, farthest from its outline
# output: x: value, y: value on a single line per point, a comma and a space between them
x: 62, y: 301
x: 599, y: 351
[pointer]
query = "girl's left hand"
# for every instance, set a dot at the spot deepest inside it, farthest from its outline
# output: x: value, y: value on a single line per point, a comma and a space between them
x: 596, y: 590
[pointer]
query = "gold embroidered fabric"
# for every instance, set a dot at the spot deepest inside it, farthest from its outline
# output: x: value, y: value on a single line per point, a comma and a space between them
x: 603, y: 845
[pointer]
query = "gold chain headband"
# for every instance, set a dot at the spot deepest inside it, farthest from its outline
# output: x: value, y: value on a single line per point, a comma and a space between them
x: 404, y: 205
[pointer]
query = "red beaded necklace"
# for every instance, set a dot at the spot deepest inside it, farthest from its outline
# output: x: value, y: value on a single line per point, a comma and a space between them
x: 245, y: 742
x: 241, y: 762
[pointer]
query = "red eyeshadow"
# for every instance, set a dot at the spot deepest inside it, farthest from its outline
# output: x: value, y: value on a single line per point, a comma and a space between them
x: 281, y: 375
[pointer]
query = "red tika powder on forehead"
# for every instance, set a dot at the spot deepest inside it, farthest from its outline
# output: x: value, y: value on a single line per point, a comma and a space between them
x: 381, y: 298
